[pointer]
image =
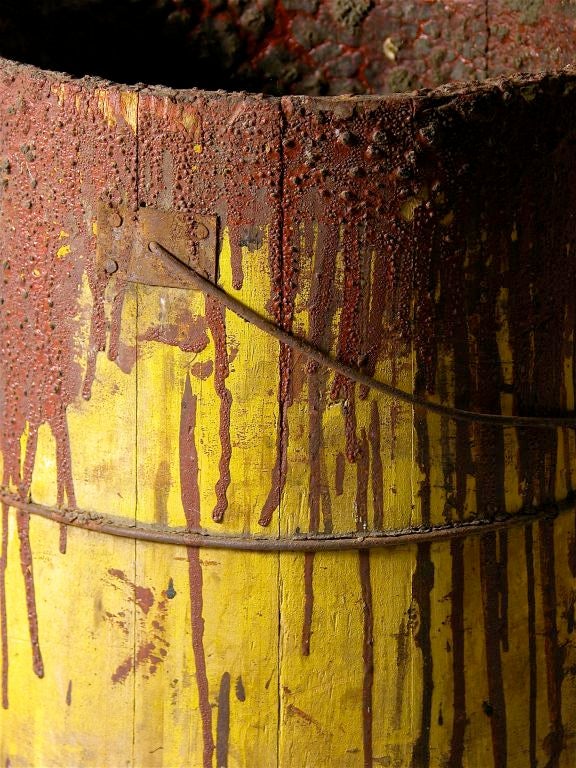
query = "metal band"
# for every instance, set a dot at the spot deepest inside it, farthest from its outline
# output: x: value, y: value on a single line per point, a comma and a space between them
x: 115, y: 526
x: 188, y: 275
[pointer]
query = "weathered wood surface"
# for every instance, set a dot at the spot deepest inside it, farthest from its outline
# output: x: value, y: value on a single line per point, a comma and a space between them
x: 428, y: 239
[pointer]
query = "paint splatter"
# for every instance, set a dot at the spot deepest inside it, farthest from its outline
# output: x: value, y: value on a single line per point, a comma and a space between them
x: 308, y: 602
x: 554, y: 741
x: 23, y: 525
x: 151, y: 618
x: 191, y: 503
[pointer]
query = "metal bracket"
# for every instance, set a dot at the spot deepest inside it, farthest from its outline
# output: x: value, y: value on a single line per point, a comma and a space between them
x: 124, y: 236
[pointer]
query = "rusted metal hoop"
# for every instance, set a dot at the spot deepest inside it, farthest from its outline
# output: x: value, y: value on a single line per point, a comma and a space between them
x: 115, y: 526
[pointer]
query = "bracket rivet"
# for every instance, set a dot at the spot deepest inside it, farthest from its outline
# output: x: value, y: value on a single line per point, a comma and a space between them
x: 111, y: 266
x: 115, y: 219
x: 200, y: 231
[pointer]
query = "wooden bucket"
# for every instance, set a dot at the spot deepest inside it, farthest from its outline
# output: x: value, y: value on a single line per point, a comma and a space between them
x: 287, y: 416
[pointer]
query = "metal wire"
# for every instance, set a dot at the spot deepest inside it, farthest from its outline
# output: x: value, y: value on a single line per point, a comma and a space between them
x: 116, y: 526
x: 197, y: 281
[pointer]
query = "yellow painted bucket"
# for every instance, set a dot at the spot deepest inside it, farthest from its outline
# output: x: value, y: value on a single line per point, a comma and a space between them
x: 287, y: 423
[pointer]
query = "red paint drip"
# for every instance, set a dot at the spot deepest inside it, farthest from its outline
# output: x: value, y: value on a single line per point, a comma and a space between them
x: 191, y: 502
x: 308, y: 602
x: 197, y: 622
x: 65, y: 482
x: 63, y: 539
x: 321, y: 311
x: 189, y: 466
x: 285, y: 280
x: 375, y: 336
x: 377, y: 470
x: 215, y: 315
x: 458, y: 578
x: 115, y: 324
x: 31, y: 445
x: 339, y: 474
x: 422, y: 586
x: 402, y: 638
x: 362, y: 466
x: 223, y: 724
x: 23, y: 524
x: 280, y: 470
x: 123, y: 670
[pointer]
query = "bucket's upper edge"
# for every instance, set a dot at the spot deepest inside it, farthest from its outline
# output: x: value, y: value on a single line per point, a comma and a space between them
x: 440, y: 93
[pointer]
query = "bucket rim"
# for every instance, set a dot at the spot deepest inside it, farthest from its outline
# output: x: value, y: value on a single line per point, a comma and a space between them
x: 516, y: 81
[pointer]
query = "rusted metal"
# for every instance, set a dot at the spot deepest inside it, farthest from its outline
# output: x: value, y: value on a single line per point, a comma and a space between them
x: 114, y: 526
x: 123, y: 238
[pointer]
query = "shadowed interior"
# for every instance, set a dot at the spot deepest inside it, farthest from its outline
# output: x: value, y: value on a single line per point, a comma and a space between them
x: 321, y: 47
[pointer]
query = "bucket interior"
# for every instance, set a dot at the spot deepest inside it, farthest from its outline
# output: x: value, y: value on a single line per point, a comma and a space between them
x: 319, y: 47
